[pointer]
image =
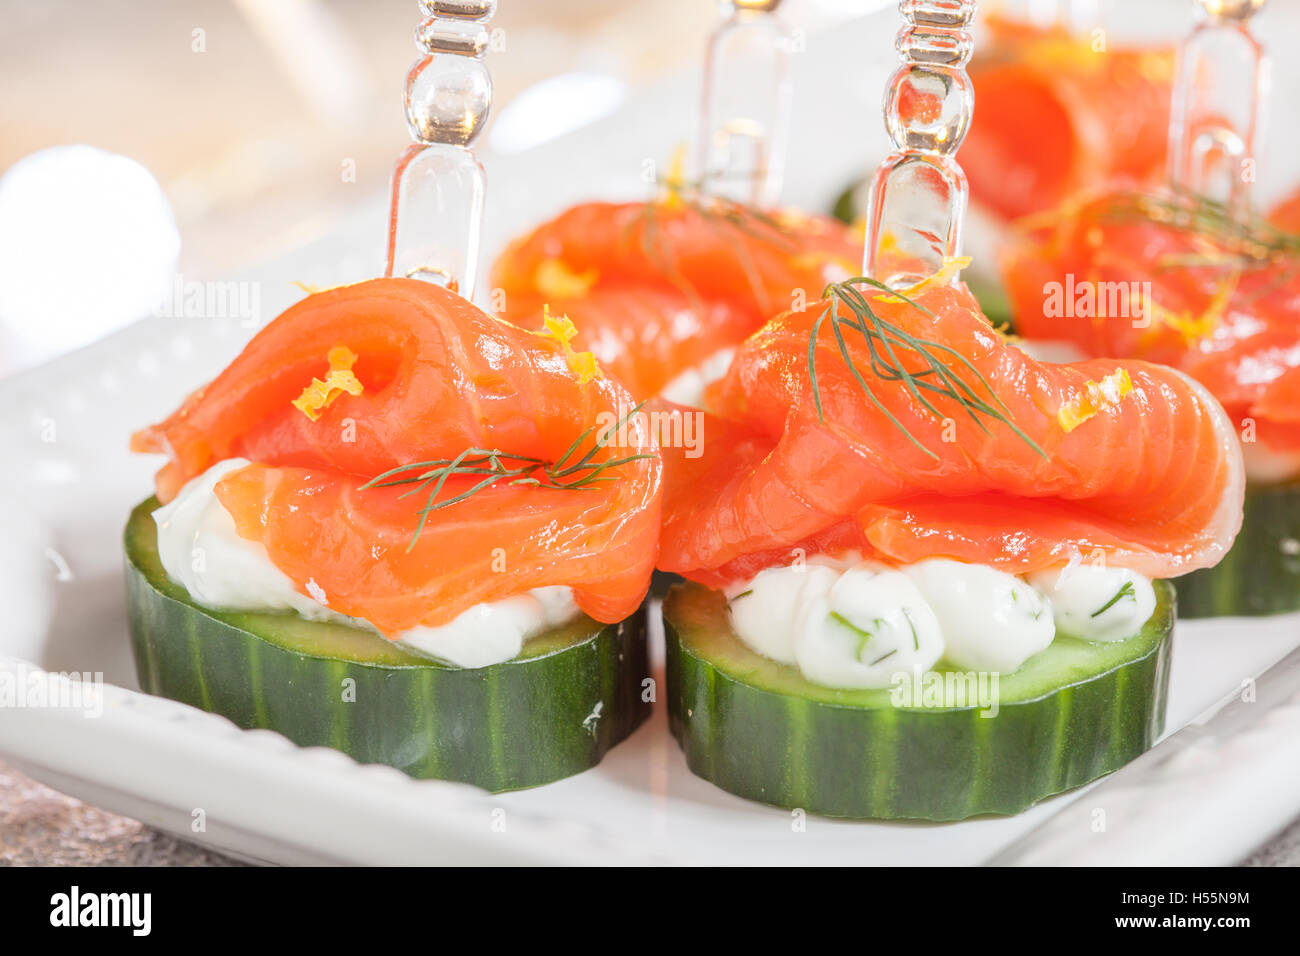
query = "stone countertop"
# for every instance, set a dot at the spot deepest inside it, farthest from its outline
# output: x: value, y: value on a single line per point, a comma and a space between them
x: 42, y: 827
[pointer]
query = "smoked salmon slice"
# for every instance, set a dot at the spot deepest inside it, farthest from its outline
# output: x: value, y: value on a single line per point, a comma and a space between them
x: 657, y: 288
x: 1123, y: 459
x: 1145, y: 275
x: 1057, y: 116
x: 438, y: 377
x: 1286, y: 214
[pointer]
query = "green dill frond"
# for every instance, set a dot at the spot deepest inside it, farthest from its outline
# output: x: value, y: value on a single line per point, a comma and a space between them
x: 493, y: 466
x: 887, y: 344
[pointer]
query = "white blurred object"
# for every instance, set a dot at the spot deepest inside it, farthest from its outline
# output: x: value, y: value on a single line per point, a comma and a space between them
x: 88, y: 243
x: 554, y: 107
x: 314, y: 50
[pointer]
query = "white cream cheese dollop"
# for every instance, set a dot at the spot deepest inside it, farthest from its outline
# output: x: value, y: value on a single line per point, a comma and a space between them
x: 1095, y: 603
x: 201, y: 550
x: 854, y: 624
x: 688, y: 387
x: 991, y: 621
x: 842, y: 626
x: 768, y: 612
x: 869, y: 626
x: 490, y: 633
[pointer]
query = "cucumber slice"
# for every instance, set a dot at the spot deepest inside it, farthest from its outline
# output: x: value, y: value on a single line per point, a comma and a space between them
x: 757, y: 728
x: 1261, y: 573
x: 554, y: 711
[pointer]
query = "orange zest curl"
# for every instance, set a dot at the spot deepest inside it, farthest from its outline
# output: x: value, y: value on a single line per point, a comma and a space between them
x: 322, y: 393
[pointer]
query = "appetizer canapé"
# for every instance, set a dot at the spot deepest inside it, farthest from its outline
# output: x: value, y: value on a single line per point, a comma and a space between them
x: 397, y: 526
x: 1175, y: 279
x: 925, y: 566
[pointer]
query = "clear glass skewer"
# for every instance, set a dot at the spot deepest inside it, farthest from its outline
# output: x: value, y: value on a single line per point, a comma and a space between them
x: 919, y: 193
x: 1220, y: 86
x: 745, y: 109
x: 436, y: 213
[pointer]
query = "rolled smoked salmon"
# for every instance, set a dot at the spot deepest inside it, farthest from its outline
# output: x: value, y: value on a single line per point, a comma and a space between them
x: 438, y: 377
x: 657, y: 288
x: 1056, y: 116
x: 1123, y: 457
x: 1226, y: 312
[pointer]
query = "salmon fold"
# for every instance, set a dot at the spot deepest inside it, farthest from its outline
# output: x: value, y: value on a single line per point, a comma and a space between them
x: 438, y: 383
x: 1141, y: 274
x: 1042, y: 464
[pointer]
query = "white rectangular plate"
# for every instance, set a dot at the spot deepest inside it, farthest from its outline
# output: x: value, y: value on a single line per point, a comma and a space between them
x: 67, y: 484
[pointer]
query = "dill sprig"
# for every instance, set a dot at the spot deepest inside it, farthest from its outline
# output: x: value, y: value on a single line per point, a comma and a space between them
x: 724, y: 215
x: 1125, y: 591
x: 723, y: 210
x: 1244, y: 241
x: 493, y: 466
x: 886, y: 342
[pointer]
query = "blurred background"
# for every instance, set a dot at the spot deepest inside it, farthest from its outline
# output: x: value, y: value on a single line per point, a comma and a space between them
x: 264, y: 123
x: 150, y: 140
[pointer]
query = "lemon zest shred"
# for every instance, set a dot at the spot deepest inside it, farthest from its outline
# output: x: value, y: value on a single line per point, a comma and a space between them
x: 1095, y: 398
x: 311, y: 289
x: 675, y: 179
x: 322, y: 393
x: 555, y: 280
x: 1195, y: 328
x: 952, y: 266
x: 562, y: 330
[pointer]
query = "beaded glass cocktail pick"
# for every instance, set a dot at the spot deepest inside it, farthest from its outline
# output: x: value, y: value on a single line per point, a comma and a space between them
x: 918, y: 196
x: 745, y: 108
x: 1221, y: 81
x: 438, y: 185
